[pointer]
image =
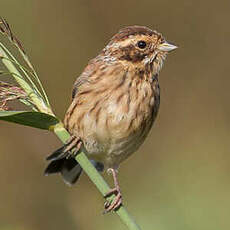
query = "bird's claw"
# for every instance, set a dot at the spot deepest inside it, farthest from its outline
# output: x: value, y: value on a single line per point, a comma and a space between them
x: 115, y: 203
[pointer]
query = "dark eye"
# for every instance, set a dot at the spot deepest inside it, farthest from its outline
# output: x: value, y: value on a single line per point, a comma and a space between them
x: 141, y: 44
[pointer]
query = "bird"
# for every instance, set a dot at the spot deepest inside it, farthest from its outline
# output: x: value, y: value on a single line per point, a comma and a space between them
x: 114, y: 104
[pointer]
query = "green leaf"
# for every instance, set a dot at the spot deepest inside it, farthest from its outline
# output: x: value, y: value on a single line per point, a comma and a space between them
x: 33, y: 119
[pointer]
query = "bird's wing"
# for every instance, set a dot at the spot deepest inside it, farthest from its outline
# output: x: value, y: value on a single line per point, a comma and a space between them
x: 91, y: 69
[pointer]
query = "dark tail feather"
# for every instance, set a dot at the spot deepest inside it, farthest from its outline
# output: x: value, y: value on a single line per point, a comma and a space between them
x: 58, y: 154
x: 62, y: 161
x: 54, y: 167
x: 65, y: 150
x: 69, y: 169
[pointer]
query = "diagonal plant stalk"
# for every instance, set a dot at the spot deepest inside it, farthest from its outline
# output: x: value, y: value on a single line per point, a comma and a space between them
x: 42, y: 104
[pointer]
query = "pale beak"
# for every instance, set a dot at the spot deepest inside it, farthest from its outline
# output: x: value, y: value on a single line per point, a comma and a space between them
x: 167, y: 47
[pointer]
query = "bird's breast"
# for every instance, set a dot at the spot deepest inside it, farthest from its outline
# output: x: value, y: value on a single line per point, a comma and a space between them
x: 115, y: 122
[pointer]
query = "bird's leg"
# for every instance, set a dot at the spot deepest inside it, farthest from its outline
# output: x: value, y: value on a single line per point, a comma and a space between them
x: 117, y: 202
x: 73, y: 142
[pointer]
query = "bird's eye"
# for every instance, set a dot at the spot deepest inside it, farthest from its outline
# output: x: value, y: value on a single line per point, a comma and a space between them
x: 141, y: 44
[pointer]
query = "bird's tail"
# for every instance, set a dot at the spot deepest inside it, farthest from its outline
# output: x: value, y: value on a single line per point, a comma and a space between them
x: 63, y: 161
x: 69, y: 168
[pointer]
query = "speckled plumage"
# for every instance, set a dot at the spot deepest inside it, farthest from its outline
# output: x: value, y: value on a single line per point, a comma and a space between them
x: 112, y: 115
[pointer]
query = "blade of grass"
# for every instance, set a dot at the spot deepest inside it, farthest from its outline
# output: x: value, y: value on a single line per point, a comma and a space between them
x: 25, y: 69
x: 21, y: 66
x: 23, y: 83
x: 33, y: 119
x: 13, y: 60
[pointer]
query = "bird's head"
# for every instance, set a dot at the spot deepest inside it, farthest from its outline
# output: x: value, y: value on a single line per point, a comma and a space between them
x: 139, y: 46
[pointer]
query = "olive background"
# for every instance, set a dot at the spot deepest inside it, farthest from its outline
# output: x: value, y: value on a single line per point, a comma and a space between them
x: 180, y: 178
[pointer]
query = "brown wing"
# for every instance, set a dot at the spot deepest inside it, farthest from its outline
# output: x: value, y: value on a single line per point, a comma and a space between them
x: 95, y: 66
x: 95, y: 81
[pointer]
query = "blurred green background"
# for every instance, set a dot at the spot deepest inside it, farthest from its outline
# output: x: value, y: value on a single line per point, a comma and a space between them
x: 180, y: 178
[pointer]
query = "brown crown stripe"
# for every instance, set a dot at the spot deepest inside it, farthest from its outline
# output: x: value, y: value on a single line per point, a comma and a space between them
x: 132, y: 30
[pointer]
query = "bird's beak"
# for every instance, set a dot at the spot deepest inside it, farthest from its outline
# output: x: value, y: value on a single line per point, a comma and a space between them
x: 167, y: 47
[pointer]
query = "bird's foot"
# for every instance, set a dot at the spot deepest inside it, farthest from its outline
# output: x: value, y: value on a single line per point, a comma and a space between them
x: 116, y: 202
x: 73, y: 142
x: 113, y: 205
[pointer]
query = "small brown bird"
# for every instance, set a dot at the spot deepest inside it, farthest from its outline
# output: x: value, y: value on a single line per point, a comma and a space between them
x: 114, y: 104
